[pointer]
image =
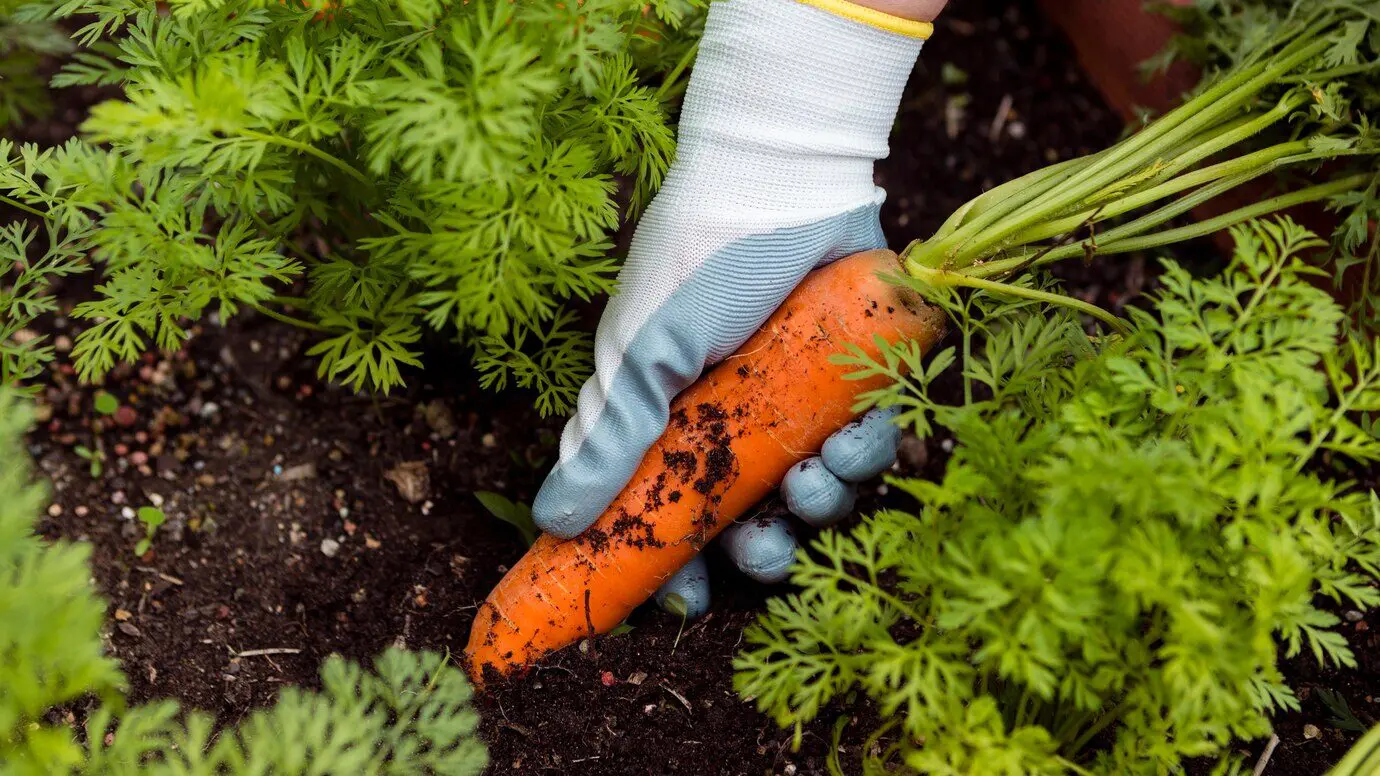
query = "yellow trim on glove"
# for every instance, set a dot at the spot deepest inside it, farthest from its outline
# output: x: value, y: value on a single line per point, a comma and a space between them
x: 861, y: 13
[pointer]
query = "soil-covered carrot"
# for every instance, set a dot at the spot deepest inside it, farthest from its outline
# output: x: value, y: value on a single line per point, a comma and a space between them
x: 731, y: 438
x: 734, y: 434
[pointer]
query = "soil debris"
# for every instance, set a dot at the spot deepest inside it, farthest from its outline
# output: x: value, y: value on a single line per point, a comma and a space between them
x: 412, y: 480
x: 635, y: 531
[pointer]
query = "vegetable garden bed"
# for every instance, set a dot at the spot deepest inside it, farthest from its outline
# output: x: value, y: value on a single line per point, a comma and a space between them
x: 304, y: 520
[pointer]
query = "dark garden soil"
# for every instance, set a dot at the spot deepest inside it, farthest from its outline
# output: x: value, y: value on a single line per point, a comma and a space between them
x: 305, y: 521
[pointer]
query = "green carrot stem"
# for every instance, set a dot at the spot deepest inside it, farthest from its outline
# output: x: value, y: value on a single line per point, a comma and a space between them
x: 1200, y: 229
x: 1013, y: 193
x: 289, y: 301
x: 1258, y: 162
x: 1137, y: 155
x: 310, y: 150
x: 1233, y: 133
x: 14, y: 203
x: 943, y: 277
x: 1111, y: 716
x: 1319, y: 76
x: 668, y: 84
x: 936, y: 252
x: 1255, y: 210
x: 288, y: 319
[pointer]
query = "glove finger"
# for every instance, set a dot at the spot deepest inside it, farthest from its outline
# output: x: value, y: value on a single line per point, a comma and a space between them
x: 864, y: 448
x: 691, y: 584
x: 814, y: 494
x: 762, y: 548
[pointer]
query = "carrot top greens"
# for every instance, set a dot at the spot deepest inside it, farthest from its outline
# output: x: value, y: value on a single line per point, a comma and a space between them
x: 369, y: 173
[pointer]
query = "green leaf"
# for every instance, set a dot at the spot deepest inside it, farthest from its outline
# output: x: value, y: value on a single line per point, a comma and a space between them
x: 106, y: 404
x: 152, y: 518
x: 517, y: 515
x: 1342, y: 716
x: 675, y: 604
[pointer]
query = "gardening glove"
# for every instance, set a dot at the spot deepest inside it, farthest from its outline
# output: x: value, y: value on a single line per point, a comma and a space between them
x: 788, y: 106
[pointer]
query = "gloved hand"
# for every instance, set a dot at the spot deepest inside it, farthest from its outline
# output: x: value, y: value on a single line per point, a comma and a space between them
x: 787, y: 108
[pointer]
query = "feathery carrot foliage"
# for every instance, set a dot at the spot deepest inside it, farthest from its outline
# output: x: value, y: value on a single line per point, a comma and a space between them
x: 368, y: 171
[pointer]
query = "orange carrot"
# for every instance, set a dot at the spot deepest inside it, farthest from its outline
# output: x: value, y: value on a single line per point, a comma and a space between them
x: 731, y: 439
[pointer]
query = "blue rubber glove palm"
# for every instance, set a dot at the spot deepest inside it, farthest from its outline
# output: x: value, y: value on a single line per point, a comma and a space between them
x: 788, y: 108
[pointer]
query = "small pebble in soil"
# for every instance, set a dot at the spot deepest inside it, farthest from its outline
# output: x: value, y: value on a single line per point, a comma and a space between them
x: 412, y: 480
x: 54, y: 510
x: 608, y: 679
x: 127, y: 513
x: 912, y: 452
x: 81, y: 511
x: 126, y: 416
x: 209, y: 409
x: 330, y: 547
x: 1311, y: 731
x: 302, y: 471
x: 1353, y: 616
x: 489, y: 440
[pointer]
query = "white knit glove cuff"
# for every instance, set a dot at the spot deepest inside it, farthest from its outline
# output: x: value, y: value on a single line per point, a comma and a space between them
x: 788, y: 107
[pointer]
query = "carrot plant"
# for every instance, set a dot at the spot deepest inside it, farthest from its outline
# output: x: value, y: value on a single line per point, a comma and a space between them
x: 1131, y: 532
x: 411, y: 714
x: 367, y: 171
x: 1133, y: 528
